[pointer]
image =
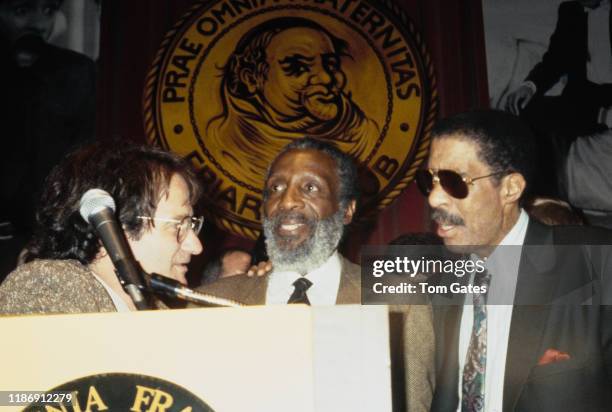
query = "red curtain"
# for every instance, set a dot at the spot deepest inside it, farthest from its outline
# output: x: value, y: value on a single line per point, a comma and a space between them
x: 452, y: 30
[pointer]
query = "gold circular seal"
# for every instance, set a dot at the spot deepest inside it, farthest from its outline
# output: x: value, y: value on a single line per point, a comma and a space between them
x: 118, y: 392
x: 236, y: 80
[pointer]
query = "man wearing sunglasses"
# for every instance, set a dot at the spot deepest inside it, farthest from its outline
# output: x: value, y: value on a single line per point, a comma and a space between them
x: 68, y: 269
x: 528, y: 343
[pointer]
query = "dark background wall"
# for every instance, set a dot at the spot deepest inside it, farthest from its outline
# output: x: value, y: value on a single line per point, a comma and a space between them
x: 453, y: 32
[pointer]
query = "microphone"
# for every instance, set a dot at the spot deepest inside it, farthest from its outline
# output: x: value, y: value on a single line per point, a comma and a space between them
x: 175, y: 289
x: 98, y: 208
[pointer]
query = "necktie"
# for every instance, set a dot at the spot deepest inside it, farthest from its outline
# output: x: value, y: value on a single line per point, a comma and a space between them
x: 299, y: 294
x: 473, y: 384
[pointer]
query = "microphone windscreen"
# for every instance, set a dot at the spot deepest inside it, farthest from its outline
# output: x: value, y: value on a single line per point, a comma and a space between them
x: 95, y: 200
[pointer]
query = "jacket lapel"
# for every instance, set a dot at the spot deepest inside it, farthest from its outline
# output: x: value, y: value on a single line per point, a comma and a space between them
x: 448, y: 309
x: 535, y: 285
x: 349, y: 291
x: 447, y: 322
x: 257, y: 294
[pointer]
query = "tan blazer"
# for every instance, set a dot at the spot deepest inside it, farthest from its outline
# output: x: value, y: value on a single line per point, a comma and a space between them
x: 252, y: 290
x: 412, y: 336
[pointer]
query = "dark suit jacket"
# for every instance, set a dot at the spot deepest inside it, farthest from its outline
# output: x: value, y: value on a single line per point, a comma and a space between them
x: 46, y: 111
x: 568, y: 54
x: 411, y: 332
x: 547, y: 315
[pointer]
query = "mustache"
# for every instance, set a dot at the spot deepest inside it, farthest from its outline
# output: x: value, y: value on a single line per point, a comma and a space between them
x: 296, y: 217
x: 441, y: 216
x: 310, y: 253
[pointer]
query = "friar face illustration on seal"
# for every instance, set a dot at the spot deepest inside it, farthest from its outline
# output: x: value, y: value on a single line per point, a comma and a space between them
x: 284, y: 80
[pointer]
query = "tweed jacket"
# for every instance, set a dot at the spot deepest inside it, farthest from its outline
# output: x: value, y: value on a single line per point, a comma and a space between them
x: 49, y: 286
x: 411, y: 326
x: 53, y: 286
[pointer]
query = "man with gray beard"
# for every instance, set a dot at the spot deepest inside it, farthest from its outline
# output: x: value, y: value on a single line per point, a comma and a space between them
x: 313, y: 252
x: 310, y: 195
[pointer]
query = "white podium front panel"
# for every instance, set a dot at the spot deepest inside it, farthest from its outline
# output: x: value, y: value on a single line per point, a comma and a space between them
x: 283, y: 358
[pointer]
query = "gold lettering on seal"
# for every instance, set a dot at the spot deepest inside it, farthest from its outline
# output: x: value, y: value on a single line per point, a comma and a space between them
x: 156, y: 400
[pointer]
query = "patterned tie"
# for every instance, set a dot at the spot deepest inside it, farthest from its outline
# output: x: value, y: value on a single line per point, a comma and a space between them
x: 473, y: 389
x: 299, y: 294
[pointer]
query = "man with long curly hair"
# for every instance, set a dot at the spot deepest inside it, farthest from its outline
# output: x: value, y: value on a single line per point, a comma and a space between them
x: 68, y: 269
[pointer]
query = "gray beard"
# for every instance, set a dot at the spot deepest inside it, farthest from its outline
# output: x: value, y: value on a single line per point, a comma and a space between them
x: 311, y: 253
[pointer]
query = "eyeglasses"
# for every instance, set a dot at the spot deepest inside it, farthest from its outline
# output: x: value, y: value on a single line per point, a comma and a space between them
x: 453, y: 183
x: 183, y: 226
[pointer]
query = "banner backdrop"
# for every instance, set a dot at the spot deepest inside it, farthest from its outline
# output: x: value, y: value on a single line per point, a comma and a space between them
x: 235, y: 81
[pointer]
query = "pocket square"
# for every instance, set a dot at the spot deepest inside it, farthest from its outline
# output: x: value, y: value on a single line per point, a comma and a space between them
x: 553, y: 355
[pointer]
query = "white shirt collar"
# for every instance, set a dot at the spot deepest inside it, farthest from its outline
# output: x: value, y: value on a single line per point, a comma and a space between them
x: 516, y: 235
x: 119, y: 303
x: 325, y: 284
x: 503, y: 264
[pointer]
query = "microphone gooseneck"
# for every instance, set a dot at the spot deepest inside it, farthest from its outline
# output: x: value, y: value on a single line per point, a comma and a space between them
x: 175, y: 289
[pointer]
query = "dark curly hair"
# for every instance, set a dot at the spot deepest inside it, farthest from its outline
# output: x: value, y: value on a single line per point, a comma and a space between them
x: 135, y: 176
x: 345, y: 167
x: 505, y: 143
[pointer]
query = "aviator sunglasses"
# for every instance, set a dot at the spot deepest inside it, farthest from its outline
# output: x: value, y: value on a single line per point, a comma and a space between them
x: 456, y: 185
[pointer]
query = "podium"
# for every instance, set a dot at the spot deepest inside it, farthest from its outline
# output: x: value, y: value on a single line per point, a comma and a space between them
x: 272, y: 358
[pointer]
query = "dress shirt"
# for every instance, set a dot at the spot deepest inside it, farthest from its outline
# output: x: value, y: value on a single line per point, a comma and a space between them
x: 119, y: 303
x: 325, y: 284
x: 503, y: 265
